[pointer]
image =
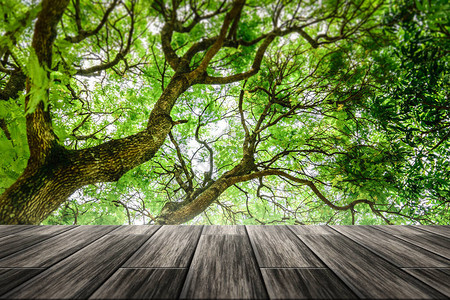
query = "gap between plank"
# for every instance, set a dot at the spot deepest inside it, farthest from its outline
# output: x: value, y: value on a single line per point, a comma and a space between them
x: 411, y: 242
x: 156, y: 268
x: 434, y: 268
x: 190, y: 262
x: 348, y: 284
x: 23, y: 268
x: 125, y: 260
x: 38, y: 242
x: 295, y: 268
x: 385, y: 259
x: 256, y: 260
x: 425, y: 230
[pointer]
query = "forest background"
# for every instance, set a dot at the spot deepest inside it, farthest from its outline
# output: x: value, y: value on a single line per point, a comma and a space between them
x: 224, y: 112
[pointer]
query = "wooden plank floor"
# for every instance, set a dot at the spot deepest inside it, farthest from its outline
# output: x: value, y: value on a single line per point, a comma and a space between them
x: 224, y: 262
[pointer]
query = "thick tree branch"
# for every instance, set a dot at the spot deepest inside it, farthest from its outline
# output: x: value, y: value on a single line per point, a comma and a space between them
x: 41, y: 137
x: 166, y: 38
x: 230, y: 17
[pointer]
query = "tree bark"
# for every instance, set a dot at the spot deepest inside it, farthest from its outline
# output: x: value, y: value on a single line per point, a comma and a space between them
x: 53, y: 172
x: 44, y: 186
x: 187, y: 211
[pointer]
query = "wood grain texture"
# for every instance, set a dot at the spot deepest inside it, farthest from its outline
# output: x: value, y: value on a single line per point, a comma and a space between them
x: 224, y: 229
x: 315, y: 283
x: 135, y: 230
x: 142, y: 284
x: 224, y: 267
x: 172, y: 246
x: 12, y: 229
x: 278, y: 247
x: 23, y: 239
x: 79, y: 275
x: 437, y: 278
x: 10, y: 278
x: 50, y: 251
x: 429, y: 241
x: 145, y: 262
x: 368, y: 275
x: 443, y: 230
x: 393, y: 249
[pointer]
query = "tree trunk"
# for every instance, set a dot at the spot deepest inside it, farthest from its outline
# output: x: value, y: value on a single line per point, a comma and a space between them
x: 187, y: 211
x: 53, y: 173
x: 44, y: 186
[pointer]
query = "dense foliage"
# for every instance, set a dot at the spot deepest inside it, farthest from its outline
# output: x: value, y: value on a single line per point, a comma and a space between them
x: 281, y: 112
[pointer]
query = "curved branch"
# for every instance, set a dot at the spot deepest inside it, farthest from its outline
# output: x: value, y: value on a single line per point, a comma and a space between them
x: 82, y: 34
x: 120, y: 56
x: 210, y: 151
x: 169, y: 53
x: 309, y: 183
x: 242, y: 76
x: 232, y: 16
x: 184, y: 29
x: 188, y: 188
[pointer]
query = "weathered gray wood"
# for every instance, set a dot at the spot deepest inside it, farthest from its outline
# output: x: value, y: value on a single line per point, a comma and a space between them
x: 80, y: 274
x: 393, y: 249
x: 10, y: 278
x: 368, y: 275
x: 430, y: 241
x: 443, y: 230
x: 305, y: 283
x: 142, y: 284
x: 437, y: 278
x: 135, y: 230
x: 224, y: 229
x: 12, y: 229
x: 88, y: 259
x: 277, y: 247
x: 224, y: 267
x: 23, y: 239
x: 171, y: 246
x: 54, y: 249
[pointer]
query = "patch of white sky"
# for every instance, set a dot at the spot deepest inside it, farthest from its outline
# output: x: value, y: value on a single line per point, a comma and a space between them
x: 215, y: 129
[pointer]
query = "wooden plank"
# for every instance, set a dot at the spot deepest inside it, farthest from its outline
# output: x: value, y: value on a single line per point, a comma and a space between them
x: 142, y: 284
x: 13, y: 229
x: 52, y: 250
x: 224, y: 229
x: 391, y: 248
x: 224, y: 267
x: 23, y: 239
x: 277, y: 246
x: 314, y: 283
x: 171, y: 247
x: 437, y: 278
x: 10, y: 278
x: 443, y: 230
x: 368, y: 275
x: 135, y: 230
x: 430, y: 241
x: 79, y: 275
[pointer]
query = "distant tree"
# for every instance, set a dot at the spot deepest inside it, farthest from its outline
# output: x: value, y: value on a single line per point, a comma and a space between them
x: 226, y: 112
